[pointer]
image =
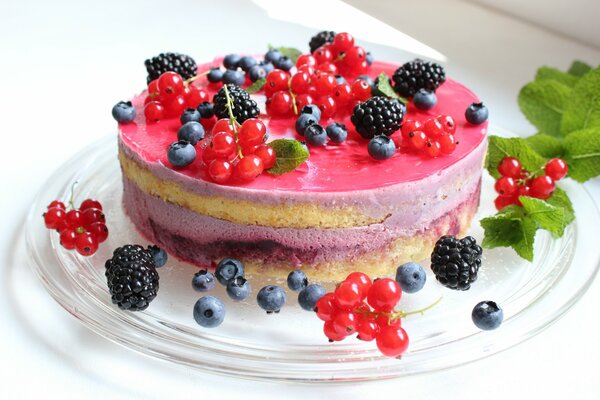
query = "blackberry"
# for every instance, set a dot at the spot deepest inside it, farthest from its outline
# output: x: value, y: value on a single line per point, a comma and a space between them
x: 132, y: 278
x: 320, y: 39
x: 180, y: 63
x: 418, y: 74
x: 243, y: 106
x: 377, y: 116
x: 455, y: 262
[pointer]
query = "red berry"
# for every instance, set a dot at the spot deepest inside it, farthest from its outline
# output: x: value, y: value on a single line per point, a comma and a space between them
x: 170, y: 84
x: 447, y: 143
x: 300, y: 82
x: 510, y: 166
x: 89, y: 203
x: 303, y: 100
x: 91, y: 215
x: 154, y: 111
x: 433, y: 148
x: 249, y: 167
x: 505, y: 186
x: 344, y: 322
x: 276, y: 81
x: 325, y: 84
x: 56, y: 203
x: 362, y: 280
x: 280, y: 104
x: 503, y: 201
x: 384, y: 294
x: 220, y: 170
x: 223, y: 125
x: 323, y: 55
x: 342, y: 41
x: 556, y: 168
x: 542, y: 187
x: 328, y: 68
x: 392, y: 342
x: 266, y: 154
x: 67, y: 238
x: 153, y: 88
x: 325, y: 307
x: 310, y: 70
x: 433, y: 128
x: 342, y: 94
x: 55, y: 218
x: 86, y: 244
x: 74, y: 219
x: 195, y: 95
x: 175, y: 106
x: 348, y: 294
x: 327, y: 106
x: 524, y: 191
x: 361, y: 90
x: 223, y: 144
x: 99, y: 230
x: 447, y: 122
x: 367, y: 329
x: 208, y: 154
x: 410, y: 126
x: 417, y: 140
x: 252, y: 132
x: 354, y: 56
x: 306, y: 59
x: 331, y: 333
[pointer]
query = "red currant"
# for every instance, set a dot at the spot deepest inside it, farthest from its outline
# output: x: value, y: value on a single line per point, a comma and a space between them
x: 252, y: 132
x: 556, y: 168
x: 195, y: 95
x: 57, y: 203
x: 354, y: 56
x: 367, y: 329
x: 266, y: 154
x: 447, y: 123
x: 327, y: 106
x: 91, y: 215
x: 344, y: 322
x: 325, y: 84
x: 86, y: 244
x: 175, y: 106
x: 362, y: 280
x: 276, y: 81
x: 348, y: 294
x: 385, y: 321
x: 99, y: 230
x: 223, y: 125
x: 328, y: 68
x: 153, y: 88
x: 55, y: 218
x: 90, y: 203
x: 306, y: 59
x: 361, y: 90
x: 524, y: 190
x: 67, y: 238
x: 208, y: 154
x: 303, y: 100
x: 417, y: 140
x: 433, y: 148
x: 170, y: 84
x: 447, y: 143
x: 74, y: 219
x: 325, y: 307
x: 342, y: 41
x: 223, y: 144
x: 342, y: 94
x: 384, y: 294
x: 331, y: 333
x: 280, y: 105
x: 154, y: 111
x: 505, y: 186
x: 392, y: 342
x: 300, y: 83
x: 433, y: 128
x: 309, y: 69
x: 249, y: 167
x: 410, y: 126
x: 503, y: 201
x: 323, y: 55
x: 510, y: 167
x: 220, y: 170
x: 542, y: 187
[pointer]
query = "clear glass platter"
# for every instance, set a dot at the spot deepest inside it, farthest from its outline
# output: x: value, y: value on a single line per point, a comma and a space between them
x: 291, y: 345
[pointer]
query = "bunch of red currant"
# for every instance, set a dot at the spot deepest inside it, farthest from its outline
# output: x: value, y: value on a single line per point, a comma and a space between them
x: 359, y: 305
x: 432, y: 138
x: 238, y: 151
x: 315, y: 81
x: 169, y: 95
x: 82, y: 229
x: 516, y: 181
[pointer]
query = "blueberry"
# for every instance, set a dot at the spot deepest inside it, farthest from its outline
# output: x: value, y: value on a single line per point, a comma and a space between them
x: 123, y: 112
x: 209, y: 312
x: 311, y: 109
x: 159, y: 256
x: 285, y: 63
x: 206, y: 109
x: 271, y: 298
x: 487, y: 315
x: 227, y: 269
x: 203, y: 281
x: 190, y: 114
x: 365, y: 78
x: 247, y: 62
x: 477, y: 113
x: 257, y: 72
x: 337, y: 132
x: 238, y: 288
x: 303, y: 121
x: 215, y: 75
x: 369, y: 58
x: 297, y: 280
x: 232, y: 61
x: 308, y: 297
x: 424, y: 99
x: 267, y: 66
x: 273, y: 56
x: 411, y: 277
x: 191, y: 131
x: 340, y: 79
x: 181, y: 153
x: 381, y: 147
x: 233, y: 76
x: 315, y: 135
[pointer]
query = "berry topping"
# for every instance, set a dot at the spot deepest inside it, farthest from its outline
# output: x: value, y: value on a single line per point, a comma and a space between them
x: 319, y: 40
x: 311, y: 109
x: 229, y: 268
x: 377, y: 116
x: 238, y: 288
x: 249, y: 167
x: 424, y: 99
x: 175, y: 62
x: 315, y: 135
x: 271, y: 298
x: 247, y: 62
x: 418, y: 74
x: 209, y: 312
x: 337, y: 132
x: 206, y: 110
x: 272, y: 55
x: 381, y: 147
x: 308, y: 297
x: 232, y: 61
x: 455, y: 262
x: 487, y: 315
x: 476, y: 113
x: 233, y: 77
x: 215, y: 75
x: 123, y: 112
x: 189, y: 115
x: 191, y: 132
x: 297, y: 280
x: 203, y: 281
x: 411, y: 277
x: 181, y: 154
x: 303, y: 121
x: 242, y: 106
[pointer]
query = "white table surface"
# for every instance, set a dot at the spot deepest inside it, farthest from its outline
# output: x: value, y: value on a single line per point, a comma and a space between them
x: 64, y: 64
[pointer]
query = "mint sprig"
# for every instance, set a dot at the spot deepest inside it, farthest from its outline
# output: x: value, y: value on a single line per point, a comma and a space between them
x: 582, y: 107
x: 582, y: 153
x: 289, y: 52
x: 256, y: 86
x: 385, y: 86
x: 290, y: 154
x: 543, y: 102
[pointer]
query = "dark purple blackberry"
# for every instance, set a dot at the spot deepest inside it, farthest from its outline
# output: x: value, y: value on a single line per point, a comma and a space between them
x: 132, y: 278
x: 418, y: 74
x: 455, y: 262
x: 180, y: 63
x: 243, y: 106
x: 320, y: 39
x: 377, y: 116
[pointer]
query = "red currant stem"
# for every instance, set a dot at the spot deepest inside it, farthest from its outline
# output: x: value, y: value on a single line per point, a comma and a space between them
x: 193, y: 78
x: 72, y: 196
x: 294, y: 103
x: 401, y: 314
x: 340, y: 57
x: 233, y: 121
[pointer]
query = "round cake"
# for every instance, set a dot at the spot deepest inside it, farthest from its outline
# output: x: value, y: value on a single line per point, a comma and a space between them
x: 339, y: 211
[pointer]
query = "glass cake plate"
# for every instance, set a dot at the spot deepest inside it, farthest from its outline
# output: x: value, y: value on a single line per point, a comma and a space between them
x: 291, y: 345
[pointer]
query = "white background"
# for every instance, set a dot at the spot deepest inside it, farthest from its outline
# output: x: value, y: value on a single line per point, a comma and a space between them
x: 64, y: 64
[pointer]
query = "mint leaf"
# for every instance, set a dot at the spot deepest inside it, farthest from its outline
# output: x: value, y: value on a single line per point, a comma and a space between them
x: 560, y: 199
x: 553, y: 74
x: 290, y: 52
x: 545, y: 215
x: 290, y: 154
x: 543, y: 103
x: 524, y: 247
x: 582, y: 153
x: 579, y: 68
x: 384, y: 86
x: 545, y: 145
x: 499, y: 147
x: 256, y: 86
x: 510, y: 228
x: 582, y: 109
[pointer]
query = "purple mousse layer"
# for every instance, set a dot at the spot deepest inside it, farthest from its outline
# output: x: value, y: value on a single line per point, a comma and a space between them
x: 201, y: 239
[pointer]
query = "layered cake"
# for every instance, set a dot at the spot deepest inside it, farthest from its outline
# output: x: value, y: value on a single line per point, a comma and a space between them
x: 340, y: 211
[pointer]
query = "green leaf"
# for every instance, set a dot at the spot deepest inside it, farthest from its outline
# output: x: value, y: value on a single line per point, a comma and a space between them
x: 545, y: 145
x: 256, y: 86
x: 579, y: 68
x: 582, y: 110
x: 582, y: 154
x: 553, y: 74
x: 560, y: 199
x: 545, y: 215
x: 290, y: 154
x: 290, y: 52
x: 510, y: 228
x: 543, y: 103
x: 384, y: 86
x: 499, y: 147
x: 524, y: 247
